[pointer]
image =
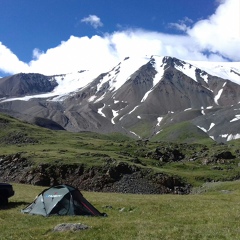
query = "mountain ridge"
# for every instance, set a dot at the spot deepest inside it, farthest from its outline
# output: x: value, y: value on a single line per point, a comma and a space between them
x: 134, y: 93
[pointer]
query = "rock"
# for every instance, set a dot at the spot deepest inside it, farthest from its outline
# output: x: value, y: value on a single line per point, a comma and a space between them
x: 218, y: 158
x: 217, y: 168
x: 70, y: 227
x: 113, y: 176
x: 225, y: 191
x: 225, y: 155
x: 167, y: 154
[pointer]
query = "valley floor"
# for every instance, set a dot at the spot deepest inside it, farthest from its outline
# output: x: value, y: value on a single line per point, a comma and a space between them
x: 213, y: 212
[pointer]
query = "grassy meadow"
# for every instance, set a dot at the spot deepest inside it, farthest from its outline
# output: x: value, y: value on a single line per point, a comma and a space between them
x: 212, y: 212
x: 41, y: 145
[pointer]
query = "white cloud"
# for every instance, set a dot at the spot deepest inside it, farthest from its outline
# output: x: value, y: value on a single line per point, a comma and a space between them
x: 93, y: 20
x: 182, y: 25
x: 37, y: 53
x: 218, y: 36
x: 179, y: 26
x: 221, y: 32
x: 220, y: 1
x: 101, y: 53
x: 9, y: 62
x: 140, y: 43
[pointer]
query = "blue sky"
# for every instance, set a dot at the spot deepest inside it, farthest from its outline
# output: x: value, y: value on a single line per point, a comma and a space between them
x: 50, y: 36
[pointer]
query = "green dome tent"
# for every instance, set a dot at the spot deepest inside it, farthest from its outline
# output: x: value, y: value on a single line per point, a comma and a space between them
x: 61, y: 200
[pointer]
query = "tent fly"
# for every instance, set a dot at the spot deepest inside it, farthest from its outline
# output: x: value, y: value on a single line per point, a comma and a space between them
x: 61, y: 200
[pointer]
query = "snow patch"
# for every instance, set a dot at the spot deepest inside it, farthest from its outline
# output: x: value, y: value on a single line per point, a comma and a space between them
x: 122, y: 72
x: 133, y: 110
x: 225, y: 70
x: 146, y: 95
x: 230, y: 137
x: 100, y: 111
x: 216, y: 98
x: 67, y: 85
x: 211, y: 126
x: 188, y: 70
x: 92, y: 98
x: 204, y: 76
x: 159, y: 67
x: 233, y: 137
x: 159, y: 119
x: 101, y: 98
x: 224, y: 135
x: 237, y: 117
x: 212, y: 137
x: 115, y: 114
x: 135, y: 134
x: 158, y: 132
x: 203, y: 129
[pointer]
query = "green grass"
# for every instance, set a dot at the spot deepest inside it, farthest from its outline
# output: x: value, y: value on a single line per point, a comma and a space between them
x: 143, y: 129
x: 60, y: 146
x: 213, y: 214
x: 183, y: 132
x: 93, y: 149
x: 197, y: 175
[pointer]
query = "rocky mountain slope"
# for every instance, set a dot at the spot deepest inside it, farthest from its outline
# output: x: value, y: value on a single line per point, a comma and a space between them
x: 138, y: 97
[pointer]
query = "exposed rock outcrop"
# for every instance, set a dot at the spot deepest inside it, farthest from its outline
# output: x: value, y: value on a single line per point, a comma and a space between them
x: 113, y: 176
x: 25, y: 84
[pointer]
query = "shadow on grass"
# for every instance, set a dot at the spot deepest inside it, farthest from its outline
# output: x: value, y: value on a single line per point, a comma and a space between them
x: 11, y: 205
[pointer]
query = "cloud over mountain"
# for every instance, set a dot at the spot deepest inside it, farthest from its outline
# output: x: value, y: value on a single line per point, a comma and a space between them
x: 220, y: 33
x: 102, y: 52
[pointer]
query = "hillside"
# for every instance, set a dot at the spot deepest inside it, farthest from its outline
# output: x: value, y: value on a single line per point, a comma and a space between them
x: 113, y: 162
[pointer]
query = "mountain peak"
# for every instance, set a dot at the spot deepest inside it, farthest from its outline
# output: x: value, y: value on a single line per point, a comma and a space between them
x: 132, y: 97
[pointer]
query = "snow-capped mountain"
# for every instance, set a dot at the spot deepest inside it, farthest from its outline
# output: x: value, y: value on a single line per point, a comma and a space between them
x: 141, y: 97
